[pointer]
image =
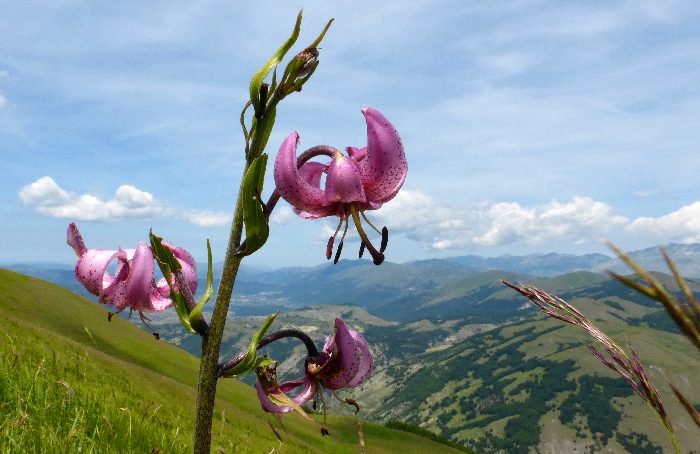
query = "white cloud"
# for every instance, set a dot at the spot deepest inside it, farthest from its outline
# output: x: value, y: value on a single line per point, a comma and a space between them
x: 682, y: 225
x: 208, y: 218
x: 493, y: 224
x: 45, y: 196
x: 3, y: 101
x: 282, y: 215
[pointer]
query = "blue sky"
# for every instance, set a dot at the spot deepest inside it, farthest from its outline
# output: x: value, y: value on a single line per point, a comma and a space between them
x: 529, y: 126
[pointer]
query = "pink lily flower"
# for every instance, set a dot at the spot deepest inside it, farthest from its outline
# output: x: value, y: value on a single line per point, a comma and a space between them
x: 345, y: 362
x: 132, y: 284
x: 363, y: 180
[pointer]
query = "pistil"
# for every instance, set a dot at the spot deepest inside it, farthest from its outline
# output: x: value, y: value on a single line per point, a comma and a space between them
x: 377, y: 257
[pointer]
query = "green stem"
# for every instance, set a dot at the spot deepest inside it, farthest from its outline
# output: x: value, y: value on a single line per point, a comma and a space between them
x: 671, y: 434
x: 211, y: 343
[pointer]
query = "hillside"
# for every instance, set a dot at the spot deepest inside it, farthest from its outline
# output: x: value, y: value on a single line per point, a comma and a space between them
x: 533, y: 384
x: 458, y: 353
x: 496, y: 375
x: 73, y: 381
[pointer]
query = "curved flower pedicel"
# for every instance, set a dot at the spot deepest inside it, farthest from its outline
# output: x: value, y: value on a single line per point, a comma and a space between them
x: 344, y: 362
x: 363, y: 180
x: 132, y: 284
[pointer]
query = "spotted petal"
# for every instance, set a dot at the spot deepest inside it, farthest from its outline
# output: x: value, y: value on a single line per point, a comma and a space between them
x: 364, y: 371
x: 345, y: 358
x: 132, y: 284
x: 384, y: 167
x: 292, y: 187
x: 91, y: 269
x: 312, y: 173
x: 75, y: 240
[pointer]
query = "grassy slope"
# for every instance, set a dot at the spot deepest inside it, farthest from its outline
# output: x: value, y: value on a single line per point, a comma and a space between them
x: 71, y: 380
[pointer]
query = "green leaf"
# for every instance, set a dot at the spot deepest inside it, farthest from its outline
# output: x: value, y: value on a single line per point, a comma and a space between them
x: 259, y: 77
x: 168, y: 264
x: 252, y: 361
x: 268, y: 123
x: 320, y: 37
x: 163, y: 256
x: 196, y: 314
x: 256, y: 227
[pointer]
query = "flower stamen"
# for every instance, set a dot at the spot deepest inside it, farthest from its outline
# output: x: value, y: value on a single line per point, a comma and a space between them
x: 331, y: 240
x: 364, y: 216
x: 384, y: 233
x: 340, y: 245
x: 377, y: 257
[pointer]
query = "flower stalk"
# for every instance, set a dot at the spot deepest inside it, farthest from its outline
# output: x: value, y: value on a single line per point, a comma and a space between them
x: 264, y: 99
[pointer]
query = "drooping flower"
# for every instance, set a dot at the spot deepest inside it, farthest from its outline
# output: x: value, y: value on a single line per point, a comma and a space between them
x: 363, y: 180
x: 344, y: 362
x: 132, y: 285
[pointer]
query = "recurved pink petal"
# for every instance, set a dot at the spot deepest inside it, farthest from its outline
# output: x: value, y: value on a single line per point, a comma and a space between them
x: 91, y: 269
x: 157, y: 302
x: 365, y: 369
x: 312, y: 172
x: 306, y: 394
x: 139, y: 284
x: 342, y: 369
x: 75, y: 240
x: 308, y: 389
x: 343, y: 182
x: 133, y: 284
x: 114, y: 292
x: 266, y: 403
x: 298, y: 192
x: 163, y: 288
x: 384, y: 167
x: 358, y: 154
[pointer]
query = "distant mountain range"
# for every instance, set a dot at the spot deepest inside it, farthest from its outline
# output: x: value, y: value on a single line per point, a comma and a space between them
x: 426, y: 288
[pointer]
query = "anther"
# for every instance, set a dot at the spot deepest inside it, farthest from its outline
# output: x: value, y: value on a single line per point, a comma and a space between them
x: 340, y: 245
x: 337, y: 253
x: 362, y: 248
x: 385, y: 239
x: 331, y: 240
x: 329, y: 247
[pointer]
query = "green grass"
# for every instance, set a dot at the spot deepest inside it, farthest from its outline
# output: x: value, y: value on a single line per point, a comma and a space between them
x: 70, y: 381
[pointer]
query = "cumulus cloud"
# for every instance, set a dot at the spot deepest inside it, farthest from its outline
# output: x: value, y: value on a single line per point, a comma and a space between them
x: 45, y: 196
x: 282, y: 215
x: 682, y: 225
x: 442, y: 227
x: 207, y: 218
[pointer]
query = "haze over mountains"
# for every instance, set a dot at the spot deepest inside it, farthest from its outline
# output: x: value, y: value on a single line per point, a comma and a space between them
x: 360, y: 283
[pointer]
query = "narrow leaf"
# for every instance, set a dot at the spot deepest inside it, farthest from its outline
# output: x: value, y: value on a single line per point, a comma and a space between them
x: 252, y: 361
x: 208, y: 291
x: 168, y: 264
x: 256, y: 225
x: 320, y: 37
x: 259, y: 77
